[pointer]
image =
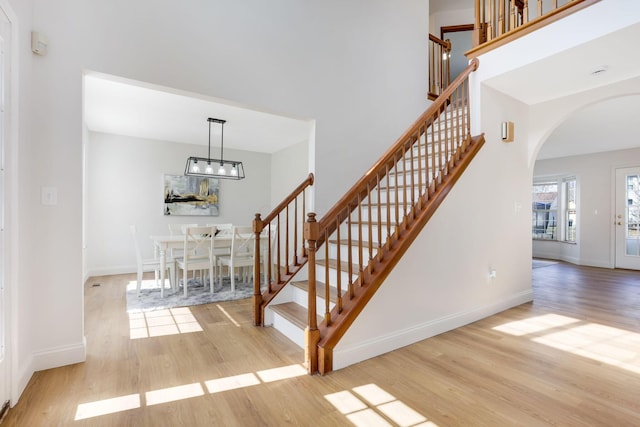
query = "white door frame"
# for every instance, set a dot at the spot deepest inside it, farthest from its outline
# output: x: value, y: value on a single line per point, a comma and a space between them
x: 620, y: 257
x: 9, y: 213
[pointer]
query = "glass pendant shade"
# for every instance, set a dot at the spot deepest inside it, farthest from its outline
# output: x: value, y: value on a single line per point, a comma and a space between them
x: 215, y: 168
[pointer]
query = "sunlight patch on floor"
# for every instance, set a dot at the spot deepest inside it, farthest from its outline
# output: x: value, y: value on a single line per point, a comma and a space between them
x: 228, y: 315
x: 172, y: 394
x: 606, y: 344
x: 107, y: 406
x: 370, y: 405
x: 187, y: 391
x: 535, y: 324
x: 171, y: 321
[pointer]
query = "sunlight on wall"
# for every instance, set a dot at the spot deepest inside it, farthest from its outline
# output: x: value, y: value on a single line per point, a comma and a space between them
x: 159, y: 323
x: 187, y: 391
x: 378, y: 403
x: 613, y: 346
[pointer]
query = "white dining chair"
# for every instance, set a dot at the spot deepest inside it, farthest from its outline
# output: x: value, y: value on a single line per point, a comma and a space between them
x: 197, y: 254
x: 240, y: 256
x: 147, y: 265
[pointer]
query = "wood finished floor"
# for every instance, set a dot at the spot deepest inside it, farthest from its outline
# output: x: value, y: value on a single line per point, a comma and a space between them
x: 570, y: 358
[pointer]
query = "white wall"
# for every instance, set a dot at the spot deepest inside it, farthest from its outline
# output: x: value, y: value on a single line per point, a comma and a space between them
x: 451, y: 17
x: 125, y: 185
x: 357, y: 67
x: 595, y: 174
x: 289, y: 167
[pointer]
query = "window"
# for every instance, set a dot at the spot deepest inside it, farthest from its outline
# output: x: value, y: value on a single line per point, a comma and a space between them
x: 569, y: 186
x: 545, y: 210
x: 554, y: 210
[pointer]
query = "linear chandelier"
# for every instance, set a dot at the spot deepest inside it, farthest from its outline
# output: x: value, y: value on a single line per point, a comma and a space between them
x: 214, y: 168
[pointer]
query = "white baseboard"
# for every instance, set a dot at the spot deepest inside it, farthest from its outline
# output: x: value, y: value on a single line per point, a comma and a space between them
x: 46, y: 359
x: 108, y: 271
x: 343, y: 357
x: 20, y: 380
x: 60, y: 356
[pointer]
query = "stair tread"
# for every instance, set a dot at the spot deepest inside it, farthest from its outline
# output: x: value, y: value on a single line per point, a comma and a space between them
x: 294, y: 313
x: 333, y: 263
x: 304, y: 285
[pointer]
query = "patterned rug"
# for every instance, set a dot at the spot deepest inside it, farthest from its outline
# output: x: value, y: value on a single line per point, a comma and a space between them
x: 197, y: 294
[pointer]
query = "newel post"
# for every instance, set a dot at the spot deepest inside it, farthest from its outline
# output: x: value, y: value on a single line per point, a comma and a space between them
x: 311, y: 333
x: 257, y: 295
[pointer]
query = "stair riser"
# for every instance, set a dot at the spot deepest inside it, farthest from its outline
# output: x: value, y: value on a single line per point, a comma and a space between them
x: 289, y: 330
x: 301, y: 297
x: 391, y: 196
x: 333, y: 252
x: 374, y: 213
x: 365, y: 233
x: 333, y: 275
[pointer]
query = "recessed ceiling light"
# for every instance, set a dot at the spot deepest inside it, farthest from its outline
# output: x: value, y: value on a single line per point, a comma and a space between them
x: 599, y: 70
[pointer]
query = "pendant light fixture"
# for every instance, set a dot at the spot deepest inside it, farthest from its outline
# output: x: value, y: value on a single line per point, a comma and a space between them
x: 215, y: 168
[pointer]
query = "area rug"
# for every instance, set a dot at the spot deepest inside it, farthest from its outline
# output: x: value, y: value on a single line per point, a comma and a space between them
x: 538, y: 263
x: 197, y: 294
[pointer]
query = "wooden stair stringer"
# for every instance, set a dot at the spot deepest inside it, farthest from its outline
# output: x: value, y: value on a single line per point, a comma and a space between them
x: 386, y: 260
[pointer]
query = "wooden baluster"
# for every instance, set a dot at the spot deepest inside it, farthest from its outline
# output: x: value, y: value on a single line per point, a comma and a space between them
x: 350, y: 253
x: 447, y: 137
x: 339, y: 278
x: 327, y: 279
x: 312, y: 334
x: 302, y: 217
x: 501, y: 21
x: 419, y: 155
x: 360, y: 262
x: 490, y: 21
x: 278, y: 254
x: 478, y: 25
x: 397, y: 196
x: 433, y: 152
x: 525, y: 12
x: 413, y: 173
x: 369, y: 223
x: 388, y: 203
x: 286, y: 240
x: 295, y: 231
x: 379, y: 210
x: 404, y: 181
x: 539, y: 8
x: 257, y: 295
x: 270, y: 259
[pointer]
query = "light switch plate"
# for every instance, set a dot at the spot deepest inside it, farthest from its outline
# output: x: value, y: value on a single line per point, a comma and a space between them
x: 49, y: 196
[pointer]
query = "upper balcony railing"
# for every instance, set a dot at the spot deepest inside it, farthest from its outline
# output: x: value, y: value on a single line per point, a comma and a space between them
x: 498, y: 22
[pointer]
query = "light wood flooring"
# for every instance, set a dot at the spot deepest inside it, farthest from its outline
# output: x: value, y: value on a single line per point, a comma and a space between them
x: 570, y: 358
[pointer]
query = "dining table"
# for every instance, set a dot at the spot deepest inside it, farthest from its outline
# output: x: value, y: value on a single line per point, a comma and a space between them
x: 163, y: 243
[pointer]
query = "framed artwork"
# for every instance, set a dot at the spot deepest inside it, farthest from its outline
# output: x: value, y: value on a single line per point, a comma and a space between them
x: 191, y: 195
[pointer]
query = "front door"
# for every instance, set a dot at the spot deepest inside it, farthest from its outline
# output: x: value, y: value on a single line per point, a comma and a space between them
x: 627, y: 218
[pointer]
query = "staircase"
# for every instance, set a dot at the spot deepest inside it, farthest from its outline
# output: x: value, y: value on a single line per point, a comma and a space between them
x: 350, y: 251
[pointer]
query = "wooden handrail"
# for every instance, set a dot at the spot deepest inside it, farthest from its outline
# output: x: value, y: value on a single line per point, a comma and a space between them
x: 412, y: 175
x: 279, y: 267
x: 388, y: 156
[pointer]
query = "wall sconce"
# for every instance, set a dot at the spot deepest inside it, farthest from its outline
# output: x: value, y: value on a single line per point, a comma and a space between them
x: 506, y: 131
